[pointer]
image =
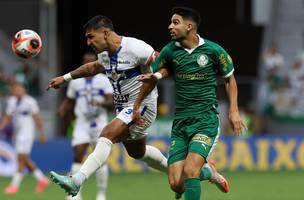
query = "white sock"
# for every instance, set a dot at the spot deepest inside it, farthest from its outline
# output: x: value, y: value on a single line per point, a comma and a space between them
x: 74, y: 169
x: 102, y: 181
x: 38, y: 174
x: 17, y: 178
x: 155, y: 159
x: 94, y: 161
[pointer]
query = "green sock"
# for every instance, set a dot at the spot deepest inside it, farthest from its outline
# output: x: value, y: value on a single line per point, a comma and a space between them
x: 192, y: 189
x: 205, y: 174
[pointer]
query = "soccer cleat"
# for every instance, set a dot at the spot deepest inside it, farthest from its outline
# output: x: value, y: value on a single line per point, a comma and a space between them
x: 217, y: 178
x: 41, y: 185
x: 178, y: 195
x: 9, y: 190
x: 66, y: 183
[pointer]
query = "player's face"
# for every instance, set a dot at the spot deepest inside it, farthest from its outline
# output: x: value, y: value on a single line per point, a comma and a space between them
x: 178, y: 28
x: 18, y: 91
x: 97, y: 39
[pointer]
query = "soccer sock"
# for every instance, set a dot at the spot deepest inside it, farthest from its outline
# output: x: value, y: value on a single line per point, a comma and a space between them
x: 38, y: 174
x: 155, y: 159
x: 206, y: 172
x: 97, y: 158
x: 102, y: 181
x: 74, y: 169
x: 17, y: 178
x: 192, y: 189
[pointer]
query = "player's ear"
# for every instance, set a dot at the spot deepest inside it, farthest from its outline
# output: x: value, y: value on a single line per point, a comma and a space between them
x: 189, y: 26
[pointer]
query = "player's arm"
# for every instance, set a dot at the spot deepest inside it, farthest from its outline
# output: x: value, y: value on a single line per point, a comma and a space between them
x: 6, y: 119
x: 66, y: 107
x: 38, y: 122
x: 107, y: 103
x: 150, y: 80
x: 88, y: 69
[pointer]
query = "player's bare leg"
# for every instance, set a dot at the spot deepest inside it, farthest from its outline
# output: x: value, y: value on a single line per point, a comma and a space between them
x: 42, y: 180
x: 13, y: 187
x: 113, y: 132
x: 138, y: 149
x: 176, y: 178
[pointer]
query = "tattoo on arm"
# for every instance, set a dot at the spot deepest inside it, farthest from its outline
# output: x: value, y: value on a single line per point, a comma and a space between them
x: 89, y: 69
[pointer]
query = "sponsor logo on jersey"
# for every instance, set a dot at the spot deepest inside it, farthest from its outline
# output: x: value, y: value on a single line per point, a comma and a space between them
x: 202, y: 60
x: 124, y: 62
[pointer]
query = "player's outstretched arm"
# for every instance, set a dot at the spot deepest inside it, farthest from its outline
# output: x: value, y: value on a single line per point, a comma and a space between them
x: 88, y: 69
x: 234, y: 117
x: 149, y: 82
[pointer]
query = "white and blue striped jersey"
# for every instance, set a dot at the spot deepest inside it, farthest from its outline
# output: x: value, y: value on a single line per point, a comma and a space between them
x: 123, y: 69
x: 86, y: 90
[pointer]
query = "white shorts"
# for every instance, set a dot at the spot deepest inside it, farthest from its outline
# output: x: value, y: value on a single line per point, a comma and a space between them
x: 148, y: 113
x: 87, y: 131
x: 24, y: 140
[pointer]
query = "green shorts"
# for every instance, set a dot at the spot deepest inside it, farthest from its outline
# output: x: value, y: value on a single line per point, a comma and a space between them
x: 197, y: 134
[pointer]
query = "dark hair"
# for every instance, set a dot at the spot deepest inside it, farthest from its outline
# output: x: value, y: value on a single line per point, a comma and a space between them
x: 97, y: 22
x: 188, y: 13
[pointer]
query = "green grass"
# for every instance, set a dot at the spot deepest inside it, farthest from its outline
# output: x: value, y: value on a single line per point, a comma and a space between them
x: 154, y: 186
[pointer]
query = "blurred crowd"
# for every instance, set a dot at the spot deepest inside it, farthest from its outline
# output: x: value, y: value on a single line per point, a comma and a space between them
x: 285, y: 85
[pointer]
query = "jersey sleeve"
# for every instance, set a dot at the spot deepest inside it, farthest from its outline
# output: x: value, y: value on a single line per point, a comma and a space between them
x: 225, y: 63
x: 145, y: 53
x: 163, y: 59
x: 71, y: 93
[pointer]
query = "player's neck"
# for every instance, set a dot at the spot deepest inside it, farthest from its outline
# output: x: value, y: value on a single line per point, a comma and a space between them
x: 191, y: 42
x: 114, y: 43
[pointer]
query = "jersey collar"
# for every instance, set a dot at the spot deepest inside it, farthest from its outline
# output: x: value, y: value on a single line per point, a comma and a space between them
x: 200, y: 43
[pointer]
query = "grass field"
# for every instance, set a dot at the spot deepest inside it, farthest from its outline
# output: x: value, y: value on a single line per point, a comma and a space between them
x: 153, y: 186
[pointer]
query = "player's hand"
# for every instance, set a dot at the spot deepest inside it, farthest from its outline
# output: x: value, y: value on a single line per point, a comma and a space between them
x: 236, y: 122
x: 56, y: 82
x: 42, y: 138
x: 137, y: 117
x: 147, y: 78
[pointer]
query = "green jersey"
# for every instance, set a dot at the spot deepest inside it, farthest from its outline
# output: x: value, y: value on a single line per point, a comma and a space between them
x: 195, y: 72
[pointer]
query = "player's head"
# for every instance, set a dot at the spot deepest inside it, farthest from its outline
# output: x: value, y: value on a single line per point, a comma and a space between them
x: 18, y: 90
x: 88, y: 57
x: 97, y: 31
x: 183, y: 21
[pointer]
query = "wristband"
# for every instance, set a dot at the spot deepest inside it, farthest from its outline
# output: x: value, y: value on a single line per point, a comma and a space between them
x: 67, y: 77
x: 158, y: 75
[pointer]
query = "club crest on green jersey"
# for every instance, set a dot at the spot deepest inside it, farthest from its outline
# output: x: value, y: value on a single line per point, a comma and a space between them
x: 202, y: 60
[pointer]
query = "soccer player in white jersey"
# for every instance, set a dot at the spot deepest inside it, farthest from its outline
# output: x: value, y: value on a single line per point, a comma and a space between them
x: 123, y: 59
x: 23, y: 111
x: 90, y: 98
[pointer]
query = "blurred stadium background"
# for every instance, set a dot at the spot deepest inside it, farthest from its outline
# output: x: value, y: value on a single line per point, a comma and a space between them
x: 265, y: 38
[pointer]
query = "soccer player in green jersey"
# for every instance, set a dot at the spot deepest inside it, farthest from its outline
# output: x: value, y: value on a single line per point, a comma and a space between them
x: 194, y: 63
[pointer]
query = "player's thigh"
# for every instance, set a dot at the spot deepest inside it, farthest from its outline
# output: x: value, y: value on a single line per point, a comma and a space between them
x: 178, y: 149
x: 204, y: 135
x: 115, y: 131
x: 136, y: 148
x: 148, y: 113
x: 193, y: 165
x: 176, y: 176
